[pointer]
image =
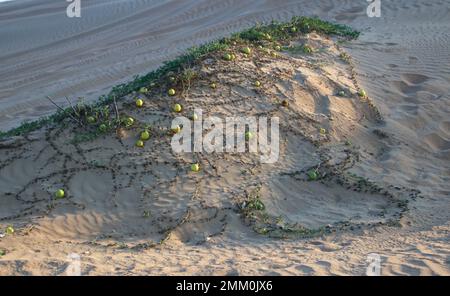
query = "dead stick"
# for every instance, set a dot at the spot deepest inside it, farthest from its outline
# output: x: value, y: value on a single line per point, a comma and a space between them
x: 60, y: 108
x: 117, y: 109
x: 71, y: 106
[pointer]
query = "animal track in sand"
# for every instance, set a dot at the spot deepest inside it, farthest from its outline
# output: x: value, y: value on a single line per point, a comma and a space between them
x: 437, y: 142
x: 412, y: 78
x: 405, y: 88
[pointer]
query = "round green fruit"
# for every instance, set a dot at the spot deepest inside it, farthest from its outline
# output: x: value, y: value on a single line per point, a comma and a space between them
x: 248, y: 135
x: 213, y: 85
x: 177, y: 108
x: 129, y: 121
x: 143, y: 90
x: 362, y: 93
x: 247, y: 50
x: 145, y: 135
x: 103, y: 127
x: 257, y: 83
x: 171, y: 92
x: 59, y: 194
x: 139, y: 103
x: 176, y: 129
x: 227, y: 57
x: 139, y: 143
x: 195, y: 167
x: 9, y: 230
x: 91, y: 119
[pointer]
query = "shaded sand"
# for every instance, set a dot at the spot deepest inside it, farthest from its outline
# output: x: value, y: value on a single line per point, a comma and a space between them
x: 398, y: 60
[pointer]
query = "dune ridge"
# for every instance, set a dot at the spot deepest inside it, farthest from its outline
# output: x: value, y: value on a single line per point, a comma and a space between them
x: 398, y: 61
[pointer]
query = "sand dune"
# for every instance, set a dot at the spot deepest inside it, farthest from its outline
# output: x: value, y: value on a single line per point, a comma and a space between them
x: 401, y: 60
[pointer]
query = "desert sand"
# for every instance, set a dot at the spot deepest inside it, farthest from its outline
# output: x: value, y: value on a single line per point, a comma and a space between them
x: 399, y: 140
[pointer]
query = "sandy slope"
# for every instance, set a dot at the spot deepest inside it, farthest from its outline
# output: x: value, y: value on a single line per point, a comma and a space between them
x: 401, y: 60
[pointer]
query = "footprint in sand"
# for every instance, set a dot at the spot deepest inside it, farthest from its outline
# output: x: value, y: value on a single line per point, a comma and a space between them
x: 410, y: 83
x: 413, y: 78
x: 437, y: 142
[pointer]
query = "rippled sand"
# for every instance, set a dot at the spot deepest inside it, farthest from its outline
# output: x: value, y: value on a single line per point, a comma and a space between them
x: 401, y: 60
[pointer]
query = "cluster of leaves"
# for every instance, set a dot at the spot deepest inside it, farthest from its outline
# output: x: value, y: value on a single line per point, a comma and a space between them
x: 307, y: 24
x: 253, y: 202
x: 313, y: 175
x: 300, y: 49
x: 264, y: 223
x: 282, y: 31
x: 345, y: 57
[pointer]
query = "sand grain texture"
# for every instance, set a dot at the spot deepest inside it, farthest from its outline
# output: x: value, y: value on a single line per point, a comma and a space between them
x: 401, y: 61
